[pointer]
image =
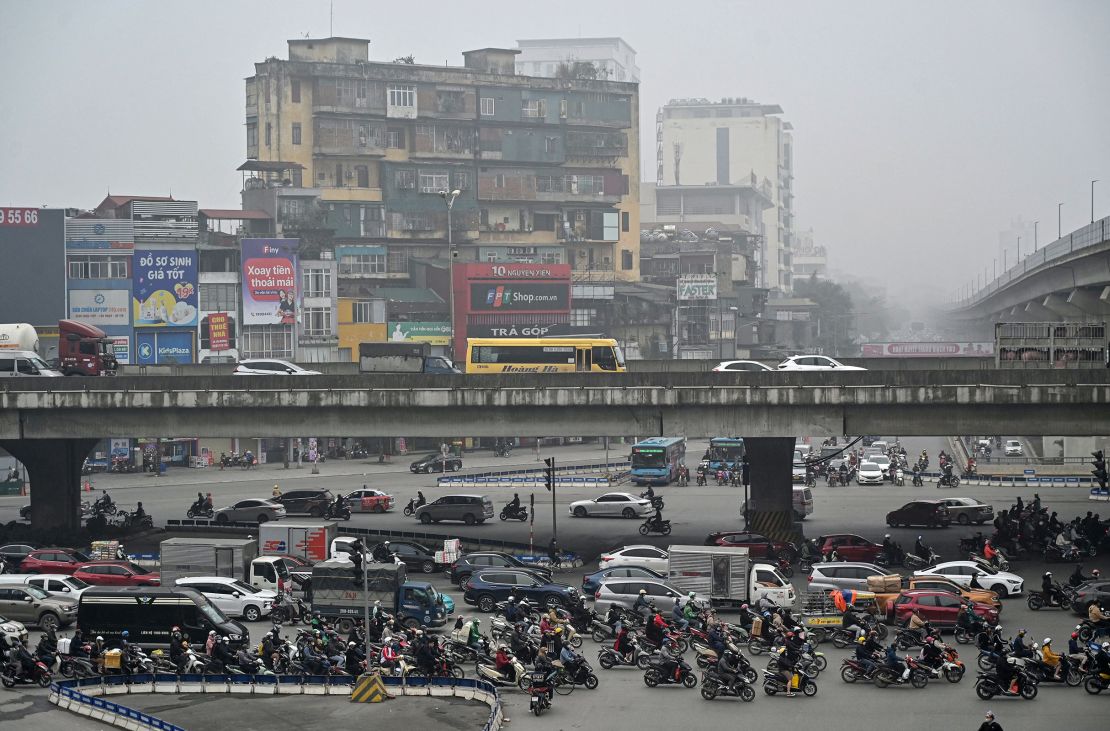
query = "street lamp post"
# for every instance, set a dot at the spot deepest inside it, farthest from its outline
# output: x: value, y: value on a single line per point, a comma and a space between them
x: 1059, y: 234
x: 1093, y: 200
x: 1035, y: 236
x: 449, y: 198
x: 1018, y: 258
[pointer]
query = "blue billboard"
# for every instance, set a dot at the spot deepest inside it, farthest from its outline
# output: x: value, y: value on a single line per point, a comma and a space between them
x: 157, y: 347
x: 165, y: 291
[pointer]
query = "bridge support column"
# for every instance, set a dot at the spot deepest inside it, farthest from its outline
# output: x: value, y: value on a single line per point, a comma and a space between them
x: 1089, y: 302
x: 1040, y: 313
x: 771, y: 509
x: 54, y: 473
x: 1060, y: 306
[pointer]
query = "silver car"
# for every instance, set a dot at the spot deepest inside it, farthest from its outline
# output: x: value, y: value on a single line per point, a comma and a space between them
x: 32, y: 605
x: 846, y: 574
x: 625, y: 592
x: 253, y: 510
x: 622, y: 504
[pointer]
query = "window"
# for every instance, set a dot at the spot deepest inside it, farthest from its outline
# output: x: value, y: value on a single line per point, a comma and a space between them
x: 533, y: 108
x: 295, y: 91
x: 269, y: 133
x: 362, y: 312
x: 544, y: 221
x: 316, y: 282
x: 398, y: 261
x: 219, y: 297
x: 551, y: 257
x: 402, y: 96
x: 363, y: 264
x: 395, y: 138
x: 317, y: 321
x: 433, y: 182
x: 488, y: 106
x: 99, y: 267
x: 462, y: 179
x: 252, y: 136
x: 499, y: 180
x: 626, y: 258
x: 405, y: 179
x: 296, y: 133
x: 416, y: 222
x: 625, y: 222
x: 362, y: 172
x: 583, y: 318
x: 267, y: 341
x: 551, y: 144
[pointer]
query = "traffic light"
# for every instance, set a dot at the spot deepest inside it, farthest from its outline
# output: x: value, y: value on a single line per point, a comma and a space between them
x: 549, y: 473
x: 1099, y: 471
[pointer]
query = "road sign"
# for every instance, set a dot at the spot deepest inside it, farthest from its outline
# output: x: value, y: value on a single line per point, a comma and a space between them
x: 1029, y: 471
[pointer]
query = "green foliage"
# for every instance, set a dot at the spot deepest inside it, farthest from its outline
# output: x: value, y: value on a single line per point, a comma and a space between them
x: 834, y: 313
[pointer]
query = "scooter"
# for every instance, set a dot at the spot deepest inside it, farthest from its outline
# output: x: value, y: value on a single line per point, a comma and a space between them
x: 885, y: 675
x: 486, y: 669
x: 1039, y: 600
x: 201, y: 512
x: 343, y: 512
x: 657, y: 675
x: 412, y: 507
x: 913, y: 561
x: 12, y: 674
x: 539, y: 693
x: 519, y: 513
x: 656, y: 501
x: 987, y: 687
x: 773, y: 683
x: 651, y: 525
x: 852, y: 670
x: 609, y: 658
x: 713, y: 685
x: 582, y: 675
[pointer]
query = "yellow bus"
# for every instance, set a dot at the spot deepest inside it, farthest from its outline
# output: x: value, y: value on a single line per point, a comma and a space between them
x: 543, y: 355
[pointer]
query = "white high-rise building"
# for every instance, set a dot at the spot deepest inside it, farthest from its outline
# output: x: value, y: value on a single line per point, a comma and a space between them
x: 614, y: 59
x: 734, y: 142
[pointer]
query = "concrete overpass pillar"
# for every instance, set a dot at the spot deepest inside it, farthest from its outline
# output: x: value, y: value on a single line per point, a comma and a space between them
x: 1090, y: 304
x: 1058, y: 304
x: 54, y: 473
x: 1040, y: 313
x: 771, y: 510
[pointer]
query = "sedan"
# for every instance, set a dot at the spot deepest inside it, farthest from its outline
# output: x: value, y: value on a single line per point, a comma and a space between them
x: 234, y: 597
x: 436, y: 463
x: 882, y: 461
x: 638, y: 555
x: 1002, y: 583
x: 271, y: 367
x: 759, y: 546
x: 967, y: 510
x: 815, y: 363
x: 939, y: 608
x: 623, y: 504
x: 1013, y: 448
x: 929, y: 513
x: 737, y: 366
x: 591, y: 582
x: 1091, y: 592
x: 415, y: 556
x: 116, y: 573
x: 368, y: 501
x: 254, y: 510
x: 869, y: 473
x: 14, y: 553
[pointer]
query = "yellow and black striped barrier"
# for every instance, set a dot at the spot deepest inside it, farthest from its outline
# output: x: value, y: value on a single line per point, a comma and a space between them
x: 369, y: 689
x: 777, y: 525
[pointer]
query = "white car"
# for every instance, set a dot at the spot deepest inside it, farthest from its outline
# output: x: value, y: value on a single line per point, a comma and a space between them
x: 622, y: 504
x: 12, y: 631
x: 1002, y: 583
x: 815, y: 363
x: 1013, y: 448
x: 649, y: 557
x: 271, y: 367
x: 882, y: 461
x: 234, y: 597
x: 869, y: 473
x: 59, y: 584
x: 737, y: 366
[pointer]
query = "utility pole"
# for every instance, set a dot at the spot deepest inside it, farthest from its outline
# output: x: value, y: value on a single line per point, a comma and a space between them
x: 1059, y: 235
x: 1035, y: 236
x: 549, y: 483
x: 1093, y: 200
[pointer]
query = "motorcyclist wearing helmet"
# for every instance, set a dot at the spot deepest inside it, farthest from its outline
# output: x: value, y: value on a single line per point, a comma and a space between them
x: 513, y: 508
x: 503, y: 663
x: 1018, y: 646
x: 1098, y: 618
x: 570, y: 659
x: 642, y: 605
x: 728, y: 667
x: 511, y: 611
x: 672, y: 662
x: 521, y: 646
x: 932, y: 652
x: 474, y: 636
x: 677, y: 616
x: 656, y: 628
x: 382, y: 553
x: 851, y: 621
x: 177, y: 652
x: 894, y: 663
x: 1051, y: 659
x: 352, y: 659
x: 921, y: 550
x: 1051, y: 592
x: 865, y: 655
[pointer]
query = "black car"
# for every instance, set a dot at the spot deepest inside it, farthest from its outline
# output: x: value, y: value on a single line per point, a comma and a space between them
x: 306, y: 502
x: 466, y: 565
x: 1090, y: 593
x: 929, y: 513
x: 14, y: 553
x: 415, y: 556
x: 487, y: 588
x: 436, y: 463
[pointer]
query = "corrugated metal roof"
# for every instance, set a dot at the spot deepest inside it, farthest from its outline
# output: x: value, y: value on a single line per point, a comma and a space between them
x: 232, y: 214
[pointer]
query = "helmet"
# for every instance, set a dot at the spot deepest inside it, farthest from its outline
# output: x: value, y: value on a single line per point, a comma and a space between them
x: 212, y: 633
x: 512, y: 598
x: 477, y: 621
x: 1075, y: 635
x: 385, y: 543
x: 377, y: 602
x: 99, y: 638
x: 176, y: 628
x: 1035, y: 645
x: 1021, y: 631
x: 744, y: 606
x: 350, y: 644
x: 1048, y: 573
x: 690, y: 595
x: 929, y: 639
x: 861, y: 640
x: 224, y: 638
x: 789, y: 634
x: 643, y: 591
x: 998, y: 628
x: 887, y: 536
x: 1047, y: 641
x: 919, y: 538
x: 1095, y: 573
x: 126, y: 634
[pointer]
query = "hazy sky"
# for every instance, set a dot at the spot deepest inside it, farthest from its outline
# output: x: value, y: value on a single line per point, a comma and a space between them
x: 921, y: 128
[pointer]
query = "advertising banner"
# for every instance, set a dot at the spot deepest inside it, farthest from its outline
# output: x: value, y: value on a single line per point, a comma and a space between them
x: 528, y: 330
x: 100, y: 306
x: 436, y: 333
x: 697, y: 287
x: 927, y: 350
x: 121, y: 447
x: 165, y: 288
x: 270, y: 281
x: 164, y: 347
x: 512, y: 270
x: 121, y: 348
x: 219, y: 331
x: 517, y: 296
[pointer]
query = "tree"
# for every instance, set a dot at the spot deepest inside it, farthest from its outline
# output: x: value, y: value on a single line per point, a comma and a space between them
x: 834, y: 312
x: 409, y: 59
x: 574, y: 69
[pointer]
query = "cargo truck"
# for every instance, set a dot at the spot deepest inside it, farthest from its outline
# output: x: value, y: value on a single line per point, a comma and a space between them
x: 338, y: 596
x: 725, y: 575
x: 235, y: 558
x: 19, y: 336
x: 310, y: 540
x: 401, y: 358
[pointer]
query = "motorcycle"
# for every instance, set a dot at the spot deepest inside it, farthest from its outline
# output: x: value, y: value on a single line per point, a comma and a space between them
x: 655, y: 675
x: 486, y: 669
x: 773, y: 683
x: 948, y: 481
x: 1065, y: 554
x: 1038, y: 599
x: 852, y: 670
x: 651, y: 525
x: 656, y: 501
x: 713, y: 685
x: 987, y: 687
x: 608, y: 658
x: 917, y: 481
x: 1096, y: 682
x: 505, y: 451
x: 886, y: 675
x: 343, y: 512
x: 539, y: 693
x: 412, y: 507
x: 950, y: 667
x: 999, y: 563
x: 200, y: 512
x: 784, y: 567
x: 12, y: 674
x: 1042, y: 673
x: 582, y: 675
x: 913, y: 561
x: 519, y: 513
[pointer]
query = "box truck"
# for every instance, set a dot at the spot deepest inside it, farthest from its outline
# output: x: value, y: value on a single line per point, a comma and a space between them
x: 310, y: 540
x: 235, y: 558
x: 401, y: 358
x: 725, y: 575
x: 337, y: 594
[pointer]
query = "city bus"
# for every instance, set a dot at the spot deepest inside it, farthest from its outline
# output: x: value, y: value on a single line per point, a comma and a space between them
x: 543, y: 355
x: 723, y: 452
x: 655, y: 461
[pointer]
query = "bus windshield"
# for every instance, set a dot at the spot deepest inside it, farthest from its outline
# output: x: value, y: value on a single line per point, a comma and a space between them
x: 725, y: 449
x: 652, y: 458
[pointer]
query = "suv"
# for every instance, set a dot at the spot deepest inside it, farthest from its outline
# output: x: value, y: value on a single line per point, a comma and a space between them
x: 31, y: 605
x: 470, y: 509
x: 462, y: 569
x: 845, y: 574
x: 929, y: 513
x: 271, y: 367
x: 12, y: 631
x: 850, y: 547
x: 116, y: 573
x: 938, y: 608
x: 759, y: 546
x: 305, y: 502
x: 624, y: 592
x: 436, y: 463
x: 967, y: 510
x: 52, y: 561
x: 487, y: 588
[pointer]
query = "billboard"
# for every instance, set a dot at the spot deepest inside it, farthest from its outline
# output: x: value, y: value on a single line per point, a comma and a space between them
x: 100, y: 306
x: 270, y: 276
x: 927, y: 350
x: 165, y: 288
x: 219, y: 331
x: 436, y: 333
x: 512, y: 270
x: 697, y: 287
x: 518, y: 295
x: 535, y: 329
x: 154, y: 347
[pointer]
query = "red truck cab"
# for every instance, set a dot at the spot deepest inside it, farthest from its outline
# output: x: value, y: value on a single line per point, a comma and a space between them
x: 84, y: 350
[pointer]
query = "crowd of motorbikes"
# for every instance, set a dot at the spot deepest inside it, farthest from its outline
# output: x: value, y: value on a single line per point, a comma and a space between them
x: 105, y: 512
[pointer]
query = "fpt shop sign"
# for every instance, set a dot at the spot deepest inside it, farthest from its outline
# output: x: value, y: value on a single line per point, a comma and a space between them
x: 697, y: 287
x: 517, y: 296
x: 156, y: 348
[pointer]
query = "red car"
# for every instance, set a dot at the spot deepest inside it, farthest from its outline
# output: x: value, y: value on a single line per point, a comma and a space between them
x: 116, y: 573
x: 940, y: 608
x: 52, y: 561
x: 759, y: 546
x: 850, y: 547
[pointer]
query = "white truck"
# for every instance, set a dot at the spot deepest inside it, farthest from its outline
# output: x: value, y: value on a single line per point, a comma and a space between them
x: 19, y: 336
x: 235, y: 558
x: 726, y: 576
x: 310, y: 540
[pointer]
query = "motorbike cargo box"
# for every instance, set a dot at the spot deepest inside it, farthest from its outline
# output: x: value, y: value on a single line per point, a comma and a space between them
x: 884, y: 584
x: 63, y: 645
x: 112, y: 659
